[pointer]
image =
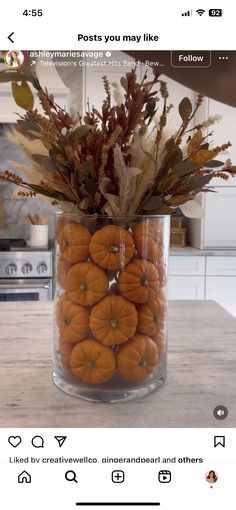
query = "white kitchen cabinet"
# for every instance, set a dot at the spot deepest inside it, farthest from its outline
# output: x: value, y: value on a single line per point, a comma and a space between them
x: 222, y: 289
x: 221, y: 266
x: 186, y: 277
x: 204, y: 277
x: 186, y: 266
x: 186, y: 287
x: 220, y: 218
x: 223, y: 132
x: 218, y: 227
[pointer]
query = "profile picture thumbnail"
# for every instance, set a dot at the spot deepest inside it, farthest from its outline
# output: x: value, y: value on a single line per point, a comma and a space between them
x: 14, y: 59
x: 211, y: 477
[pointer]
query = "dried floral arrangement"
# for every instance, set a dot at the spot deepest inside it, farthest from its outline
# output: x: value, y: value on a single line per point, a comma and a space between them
x: 119, y: 160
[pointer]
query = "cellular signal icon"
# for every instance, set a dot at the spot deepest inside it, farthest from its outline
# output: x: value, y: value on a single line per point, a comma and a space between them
x: 200, y: 12
x: 187, y: 13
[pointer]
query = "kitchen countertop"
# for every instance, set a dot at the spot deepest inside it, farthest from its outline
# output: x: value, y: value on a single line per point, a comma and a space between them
x: 201, y: 373
x: 190, y: 250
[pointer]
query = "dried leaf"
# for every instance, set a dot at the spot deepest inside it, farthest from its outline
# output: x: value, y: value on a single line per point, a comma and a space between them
x: 150, y: 169
x: 205, y: 146
x: 97, y: 113
x: 84, y: 203
x: 44, y: 161
x: 105, y: 150
x: 33, y: 173
x: 23, y: 95
x: 195, y: 143
x: 192, y: 209
x: 177, y: 200
x: 184, y: 168
x: 167, y: 183
x: 214, y: 164
x: 91, y: 188
x: 47, y: 193
x: 80, y: 131
x: 113, y: 207
x: 153, y: 203
x: 175, y: 158
x: 124, y: 83
x: 170, y: 143
x: 126, y: 179
x: 198, y: 181
x: 105, y: 185
x: 149, y: 156
x: 202, y: 157
x: 88, y: 167
x: 29, y: 146
x: 185, y: 108
x: 26, y: 126
x: 150, y: 108
x: 151, y: 111
x: 163, y: 209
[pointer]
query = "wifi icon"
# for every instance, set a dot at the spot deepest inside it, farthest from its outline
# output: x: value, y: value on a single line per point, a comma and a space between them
x: 200, y: 12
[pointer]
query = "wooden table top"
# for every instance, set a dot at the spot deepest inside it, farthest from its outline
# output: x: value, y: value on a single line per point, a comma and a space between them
x: 201, y: 373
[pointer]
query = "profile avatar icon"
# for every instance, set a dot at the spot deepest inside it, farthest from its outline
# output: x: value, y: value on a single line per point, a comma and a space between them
x: 211, y: 477
x: 14, y: 59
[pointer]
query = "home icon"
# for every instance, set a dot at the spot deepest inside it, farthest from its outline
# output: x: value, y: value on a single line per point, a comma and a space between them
x: 24, y: 477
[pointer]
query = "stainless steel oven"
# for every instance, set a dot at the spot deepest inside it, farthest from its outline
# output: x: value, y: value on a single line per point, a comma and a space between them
x: 40, y: 289
x: 26, y: 274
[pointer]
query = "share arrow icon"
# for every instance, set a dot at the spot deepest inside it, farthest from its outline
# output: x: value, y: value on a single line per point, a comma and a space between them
x: 60, y: 440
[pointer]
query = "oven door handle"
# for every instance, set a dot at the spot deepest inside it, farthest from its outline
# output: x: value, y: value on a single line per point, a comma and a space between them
x: 24, y: 286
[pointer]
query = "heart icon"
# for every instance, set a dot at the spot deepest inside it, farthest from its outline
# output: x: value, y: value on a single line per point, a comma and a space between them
x: 14, y: 441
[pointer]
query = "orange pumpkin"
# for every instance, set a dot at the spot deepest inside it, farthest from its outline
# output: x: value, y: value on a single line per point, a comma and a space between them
x: 65, y: 349
x: 74, y: 242
x: 92, y: 362
x: 137, y: 358
x: 148, y: 238
x: 160, y: 342
x: 151, y: 316
x: 139, y: 282
x: 72, y: 320
x: 111, y: 247
x: 86, y: 284
x: 161, y: 267
x: 61, y: 223
x: 113, y: 320
x: 150, y: 228
x: 63, y: 267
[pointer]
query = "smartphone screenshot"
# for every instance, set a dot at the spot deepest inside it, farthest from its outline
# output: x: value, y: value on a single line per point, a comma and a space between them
x: 117, y: 256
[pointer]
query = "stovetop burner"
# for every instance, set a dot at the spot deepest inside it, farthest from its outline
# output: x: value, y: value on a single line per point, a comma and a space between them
x: 7, y: 244
x: 17, y: 260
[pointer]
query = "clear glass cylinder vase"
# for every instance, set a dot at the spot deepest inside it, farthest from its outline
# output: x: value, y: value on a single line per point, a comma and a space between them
x: 110, y: 335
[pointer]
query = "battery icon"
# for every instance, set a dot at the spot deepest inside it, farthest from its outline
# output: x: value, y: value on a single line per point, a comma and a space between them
x: 215, y: 12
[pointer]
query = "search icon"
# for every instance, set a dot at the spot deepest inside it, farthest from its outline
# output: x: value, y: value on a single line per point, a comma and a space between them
x: 70, y: 476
